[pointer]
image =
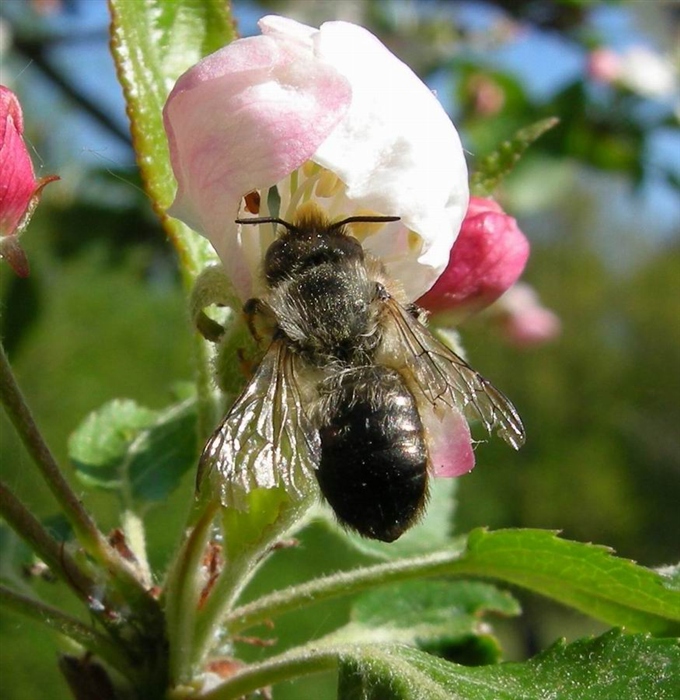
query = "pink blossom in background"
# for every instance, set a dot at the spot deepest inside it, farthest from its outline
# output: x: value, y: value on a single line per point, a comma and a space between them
x: 487, y: 258
x: 487, y: 96
x: 604, y: 65
x: 19, y: 188
x: 638, y: 69
x: 522, y: 318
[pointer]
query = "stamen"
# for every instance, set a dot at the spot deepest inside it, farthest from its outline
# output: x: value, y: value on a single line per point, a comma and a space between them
x: 363, y: 229
x: 309, y: 168
x: 252, y: 202
x: 302, y: 193
x: 328, y: 184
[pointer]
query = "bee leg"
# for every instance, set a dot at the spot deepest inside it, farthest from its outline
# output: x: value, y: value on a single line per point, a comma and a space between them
x: 252, y: 309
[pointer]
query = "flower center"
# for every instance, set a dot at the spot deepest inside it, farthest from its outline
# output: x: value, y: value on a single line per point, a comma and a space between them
x: 310, y: 183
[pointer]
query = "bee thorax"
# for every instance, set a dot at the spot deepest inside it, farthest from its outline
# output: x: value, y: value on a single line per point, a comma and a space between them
x: 326, y: 312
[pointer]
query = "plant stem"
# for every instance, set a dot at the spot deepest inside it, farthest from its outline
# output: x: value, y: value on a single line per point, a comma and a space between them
x: 241, y: 565
x: 133, y: 529
x: 64, y: 624
x: 53, y: 553
x: 297, y: 662
x: 89, y: 536
x: 182, y: 592
x: 19, y: 413
x: 336, y: 585
x: 205, y: 407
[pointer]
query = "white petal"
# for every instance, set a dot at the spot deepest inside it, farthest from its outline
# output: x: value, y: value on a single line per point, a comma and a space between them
x: 397, y: 152
x: 288, y: 30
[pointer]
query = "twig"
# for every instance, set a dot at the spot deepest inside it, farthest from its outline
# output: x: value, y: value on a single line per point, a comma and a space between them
x: 19, y: 413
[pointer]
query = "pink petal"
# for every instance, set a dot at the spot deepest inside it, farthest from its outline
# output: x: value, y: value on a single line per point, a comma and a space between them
x: 17, y: 180
x: 534, y: 327
x: 243, y: 119
x: 449, y: 441
x: 522, y: 318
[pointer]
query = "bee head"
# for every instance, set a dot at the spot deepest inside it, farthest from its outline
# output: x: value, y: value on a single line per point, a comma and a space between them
x: 312, y: 240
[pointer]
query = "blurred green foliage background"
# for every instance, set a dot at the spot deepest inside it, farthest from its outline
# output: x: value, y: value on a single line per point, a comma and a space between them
x: 103, y: 314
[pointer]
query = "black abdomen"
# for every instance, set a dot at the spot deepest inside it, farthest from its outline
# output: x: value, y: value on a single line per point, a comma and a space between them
x: 373, y: 467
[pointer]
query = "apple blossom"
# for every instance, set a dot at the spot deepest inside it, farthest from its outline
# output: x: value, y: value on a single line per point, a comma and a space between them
x: 487, y: 258
x: 19, y: 188
x: 296, y: 110
x: 638, y: 69
x: 604, y: 65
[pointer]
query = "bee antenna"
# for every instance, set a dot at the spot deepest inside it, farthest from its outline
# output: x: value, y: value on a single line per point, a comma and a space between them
x: 364, y: 220
x: 268, y: 220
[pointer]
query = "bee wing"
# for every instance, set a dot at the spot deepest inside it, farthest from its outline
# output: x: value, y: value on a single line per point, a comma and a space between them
x: 266, y: 439
x: 443, y: 376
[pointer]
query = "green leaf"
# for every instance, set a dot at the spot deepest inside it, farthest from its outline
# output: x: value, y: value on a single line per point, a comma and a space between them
x: 137, y: 451
x: 494, y: 167
x: 153, y: 42
x: 431, y: 533
x: 585, y: 576
x: 445, y: 618
x: 612, y: 667
x: 100, y: 444
x: 162, y: 454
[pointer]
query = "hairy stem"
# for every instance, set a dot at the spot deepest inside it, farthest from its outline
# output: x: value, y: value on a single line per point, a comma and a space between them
x: 205, y: 422
x: 242, y: 562
x: 182, y: 592
x: 337, y: 585
x: 302, y: 661
x: 52, y: 552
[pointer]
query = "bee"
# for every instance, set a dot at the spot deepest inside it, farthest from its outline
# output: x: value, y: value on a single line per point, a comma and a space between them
x: 348, y: 379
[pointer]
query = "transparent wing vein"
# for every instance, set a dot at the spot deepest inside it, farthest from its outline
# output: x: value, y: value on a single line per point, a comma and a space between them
x: 444, y: 377
x: 266, y: 438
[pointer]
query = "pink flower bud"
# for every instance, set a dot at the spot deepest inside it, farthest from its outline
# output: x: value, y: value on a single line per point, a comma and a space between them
x: 487, y: 258
x: 19, y: 189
